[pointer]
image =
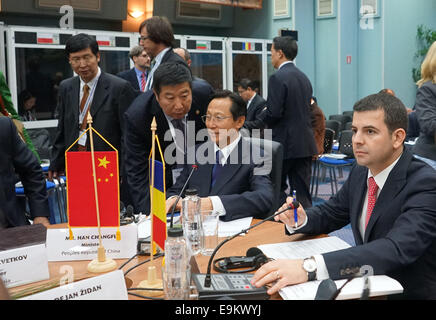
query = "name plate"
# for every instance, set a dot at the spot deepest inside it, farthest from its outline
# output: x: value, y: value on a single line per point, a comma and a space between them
x: 109, y: 286
x: 24, y: 265
x: 85, y: 243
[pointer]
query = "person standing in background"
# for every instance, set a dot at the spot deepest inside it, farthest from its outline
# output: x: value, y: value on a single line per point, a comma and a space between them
x: 137, y: 76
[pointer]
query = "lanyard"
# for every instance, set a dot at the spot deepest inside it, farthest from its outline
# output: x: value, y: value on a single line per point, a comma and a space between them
x: 87, y: 103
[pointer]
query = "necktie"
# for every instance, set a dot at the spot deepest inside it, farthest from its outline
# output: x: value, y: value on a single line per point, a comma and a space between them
x: 178, y: 124
x: 372, y: 197
x: 217, y: 167
x: 82, y: 105
x: 143, y: 82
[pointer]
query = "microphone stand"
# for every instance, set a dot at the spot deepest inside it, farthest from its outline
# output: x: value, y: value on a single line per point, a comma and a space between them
x: 208, y: 279
x: 194, y: 167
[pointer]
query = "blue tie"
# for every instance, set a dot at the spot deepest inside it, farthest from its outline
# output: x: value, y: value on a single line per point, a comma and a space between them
x: 217, y: 167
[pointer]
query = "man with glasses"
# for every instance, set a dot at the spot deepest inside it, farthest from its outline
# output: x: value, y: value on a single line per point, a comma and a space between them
x: 104, y: 96
x: 255, y: 104
x: 157, y: 38
x: 228, y: 179
x: 178, y: 121
x: 137, y: 76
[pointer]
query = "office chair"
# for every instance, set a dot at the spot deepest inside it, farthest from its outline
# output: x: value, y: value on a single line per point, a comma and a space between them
x: 328, y: 145
x: 335, y: 125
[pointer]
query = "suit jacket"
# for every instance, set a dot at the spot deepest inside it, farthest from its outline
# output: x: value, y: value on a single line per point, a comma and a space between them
x: 288, y: 112
x: 138, y: 141
x: 425, y: 107
x: 16, y: 158
x: 400, y: 237
x: 130, y: 76
x: 243, y: 191
x: 112, y: 97
x: 253, y: 120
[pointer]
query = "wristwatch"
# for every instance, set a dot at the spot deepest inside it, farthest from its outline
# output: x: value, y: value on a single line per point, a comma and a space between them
x: 309, y: 265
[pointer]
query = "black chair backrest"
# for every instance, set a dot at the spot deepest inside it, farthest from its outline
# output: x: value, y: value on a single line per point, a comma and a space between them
x: 346, y: 144
x: 274, y: 153
x: 328, y: 140
x: 335, y: 125
x: 343, y: 119
x: 348, y: 125
x: 348, y: 113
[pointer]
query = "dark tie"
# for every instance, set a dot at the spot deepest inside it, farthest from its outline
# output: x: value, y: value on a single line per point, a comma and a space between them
x: 217, y: 168
x: 372, y: 197
x: 82, y: 106
x: 178, y: 124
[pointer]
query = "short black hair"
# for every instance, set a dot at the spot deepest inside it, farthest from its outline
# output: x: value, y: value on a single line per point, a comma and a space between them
x: 245, y: 83
x: 288, y: 45
x: 171, y: 74
x: 159, y: 30
x: 238, y: 107
x: 81, y: 42
x: 395, y: 111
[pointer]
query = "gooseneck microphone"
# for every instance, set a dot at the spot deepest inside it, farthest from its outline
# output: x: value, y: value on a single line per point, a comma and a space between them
x: 194, y: 167
x: 208, y: 279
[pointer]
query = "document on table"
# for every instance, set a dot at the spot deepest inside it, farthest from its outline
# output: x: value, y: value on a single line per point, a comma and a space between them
x: 379, y: 285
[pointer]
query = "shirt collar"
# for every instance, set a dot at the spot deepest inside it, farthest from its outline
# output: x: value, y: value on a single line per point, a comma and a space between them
x: 251, y: 100
x: 159, y: 57
x: 227, y: 150
x: 382, y: 176
x: 91, y: 82
x: 284, y: 63
x: 139, y: 72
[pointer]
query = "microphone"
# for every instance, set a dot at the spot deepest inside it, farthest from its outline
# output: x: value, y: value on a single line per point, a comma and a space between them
x: 326, y: 290
x: 194, y: 167
x: 207, y: 281
x: 253, y: 260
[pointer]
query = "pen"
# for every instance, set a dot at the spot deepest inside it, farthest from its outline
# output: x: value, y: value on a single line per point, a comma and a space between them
x: 294, y: 196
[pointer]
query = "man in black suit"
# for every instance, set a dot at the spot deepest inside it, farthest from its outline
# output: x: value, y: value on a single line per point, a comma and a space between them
x: 137, y: 76
x: 232, y: 183
x: 157, y: 38
x: 389, y: 199
x: 104, y: 96
x: 178, y: 119
x: 16, y: 158
x: 288, y: 115
x: 255, y: 104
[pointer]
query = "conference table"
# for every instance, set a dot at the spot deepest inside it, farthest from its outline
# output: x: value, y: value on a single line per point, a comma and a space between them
x: 266, y: 233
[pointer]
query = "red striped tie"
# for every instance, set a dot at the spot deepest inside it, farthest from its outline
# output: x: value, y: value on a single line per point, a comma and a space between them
x: 143, y: 82
x: 372, y: 197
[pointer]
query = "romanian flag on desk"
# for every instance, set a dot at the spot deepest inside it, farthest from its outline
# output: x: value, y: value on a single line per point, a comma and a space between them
x: 81, y: 204
x: 158, y: 206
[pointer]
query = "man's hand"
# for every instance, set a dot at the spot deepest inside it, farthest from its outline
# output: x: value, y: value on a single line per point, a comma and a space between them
x: 282, y: 272
x: 169, y: 205
x: 54, y: 174
x: 287, y: 217
x: 41, y: 220
x: 206, y: 204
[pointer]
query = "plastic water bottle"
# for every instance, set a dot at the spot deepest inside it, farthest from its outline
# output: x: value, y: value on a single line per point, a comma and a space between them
x: 192, y: 224
x: 176, y: 270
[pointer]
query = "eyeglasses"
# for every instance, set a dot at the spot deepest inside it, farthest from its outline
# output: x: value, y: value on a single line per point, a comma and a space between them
x: 218, y: 118
x: 77, y: 60
x: 142, y: 38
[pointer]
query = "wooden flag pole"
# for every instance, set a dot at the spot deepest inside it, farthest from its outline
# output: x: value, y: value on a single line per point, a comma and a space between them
x: 101, y: 264
x: 152, y: 281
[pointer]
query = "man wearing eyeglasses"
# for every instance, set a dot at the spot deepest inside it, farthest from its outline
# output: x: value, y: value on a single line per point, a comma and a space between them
x: 157, y: 38
x: 138, y: 75
x: 178, y: 120
x: 104, y: 96
x: 229, y: 179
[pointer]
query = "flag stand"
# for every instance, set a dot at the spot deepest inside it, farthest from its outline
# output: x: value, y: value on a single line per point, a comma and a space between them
x: 101, y: 264
x: 152, y: 281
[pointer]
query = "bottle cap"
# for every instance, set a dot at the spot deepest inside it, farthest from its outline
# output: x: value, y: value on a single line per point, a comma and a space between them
x: 175, y: 232
x: 191, y: 192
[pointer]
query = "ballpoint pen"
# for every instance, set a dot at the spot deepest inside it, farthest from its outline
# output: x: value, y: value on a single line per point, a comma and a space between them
x: 294, y: 196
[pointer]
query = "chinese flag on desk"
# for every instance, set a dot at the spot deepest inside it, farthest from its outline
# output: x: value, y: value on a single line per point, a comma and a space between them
x: 81, y: 204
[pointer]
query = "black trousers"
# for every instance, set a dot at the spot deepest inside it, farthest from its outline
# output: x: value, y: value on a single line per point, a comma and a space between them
x: 297, y: 172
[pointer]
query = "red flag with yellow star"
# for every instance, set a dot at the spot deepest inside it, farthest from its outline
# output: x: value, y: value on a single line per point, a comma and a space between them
x: 81, y: 204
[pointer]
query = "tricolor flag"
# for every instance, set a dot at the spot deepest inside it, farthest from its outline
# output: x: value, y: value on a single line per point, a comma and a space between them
x: 158, y: 207
x: 81, y: 204
x: 249, y: 46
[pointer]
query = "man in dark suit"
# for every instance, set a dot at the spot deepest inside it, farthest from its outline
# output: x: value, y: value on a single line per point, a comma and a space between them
x: 255, y: 104
x: 16, y: 158
x: 157, y: 38
x: 104, y: 96
x: 227, y: 179
x: 137, y: 76
x: 390, y: 201
x: 288, y: 115
x: 178, y: 118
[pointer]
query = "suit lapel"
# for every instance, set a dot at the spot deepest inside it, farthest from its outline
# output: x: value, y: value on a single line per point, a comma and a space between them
x: 358, y: 183
x: 394, y: 184
x: 100, y: 95
x: 229, y: 170
x: 74, y: 98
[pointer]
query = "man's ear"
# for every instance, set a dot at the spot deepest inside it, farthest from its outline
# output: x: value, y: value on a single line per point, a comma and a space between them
x: 398, y: 137
x: 240, y: 122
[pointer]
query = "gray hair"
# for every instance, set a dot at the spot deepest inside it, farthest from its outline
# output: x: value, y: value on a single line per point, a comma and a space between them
x: 135, y: 51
